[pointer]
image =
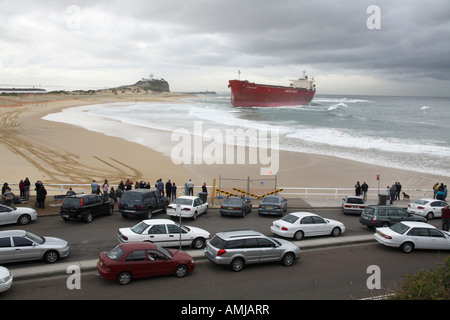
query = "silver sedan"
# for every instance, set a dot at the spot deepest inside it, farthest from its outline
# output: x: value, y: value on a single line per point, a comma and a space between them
x: 19, y: 215
x: 20, y: 245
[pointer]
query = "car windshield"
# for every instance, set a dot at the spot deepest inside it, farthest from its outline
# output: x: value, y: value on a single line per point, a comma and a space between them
x: 115, y: 253
x: 290, y: 218
x: 399, y: 228
x: 270, y: 200
x: 35, y: 238
x: 184, y: 202
x: 165, y: 251
x: 140, y: 227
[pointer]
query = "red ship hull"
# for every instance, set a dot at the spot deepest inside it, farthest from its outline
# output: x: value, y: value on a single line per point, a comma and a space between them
x: 248, y: 94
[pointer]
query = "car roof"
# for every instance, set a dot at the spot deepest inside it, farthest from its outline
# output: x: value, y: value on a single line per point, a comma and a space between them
x: 9, y: 233
x: 416, y: 224
x: 232, y: 234
x: 158, y: 221
x: 139, y: 245
x: 354, y: 197
x: 302, y: 214
x: 187, y: 197
x: 141, y: 190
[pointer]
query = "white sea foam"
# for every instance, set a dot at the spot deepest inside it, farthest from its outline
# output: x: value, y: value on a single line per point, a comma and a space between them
x: 352, y: 128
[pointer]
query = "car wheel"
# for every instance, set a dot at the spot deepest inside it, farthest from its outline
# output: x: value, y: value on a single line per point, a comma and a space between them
x: 195, y: 215
x: 124, y: 277
x: 88, y: 218
x: 336, y: 232
x: 149, y: 213
x: 407, y: 247
x: 243, y: 214
x: 24, y: 219
x: 110, y: 211
x: 198, y: 243
x: 299, y: 235
x: 51, y: 256
x: 430, y: 216
x: 164, y: 210
x: 385, y: 224
x: 181, y: 271
x: 237, y: 264
x: 288, y: 259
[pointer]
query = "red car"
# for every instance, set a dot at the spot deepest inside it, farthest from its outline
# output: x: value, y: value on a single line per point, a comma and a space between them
x: 134, y: 260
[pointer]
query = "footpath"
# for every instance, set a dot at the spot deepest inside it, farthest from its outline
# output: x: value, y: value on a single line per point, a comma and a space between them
x: 61, y: 268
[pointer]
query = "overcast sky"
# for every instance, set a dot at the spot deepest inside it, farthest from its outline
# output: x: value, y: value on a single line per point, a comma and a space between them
x: 199, y: 45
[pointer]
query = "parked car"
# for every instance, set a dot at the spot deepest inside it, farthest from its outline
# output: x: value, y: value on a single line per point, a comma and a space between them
x: 135, y: 260
x: 298, y: 225
x: 410, y: 235
x: 353, y: 205
x: 85, y: 207
x: 190, y: 207
x: 165, y: 233
x: 272, y: 205
x: 20, y: 245
x: 241, y: 247
x: 428, y: 208
x: 19, y: 215
x: 6, y: 279
x: 236, y: 206
x: 142, y: 203
x: 386, y: 215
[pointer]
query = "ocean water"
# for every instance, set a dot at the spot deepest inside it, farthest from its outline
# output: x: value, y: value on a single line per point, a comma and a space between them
x: 399, y: 132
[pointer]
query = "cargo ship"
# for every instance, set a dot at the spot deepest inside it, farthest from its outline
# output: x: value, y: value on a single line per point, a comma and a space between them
x: 249, y: 94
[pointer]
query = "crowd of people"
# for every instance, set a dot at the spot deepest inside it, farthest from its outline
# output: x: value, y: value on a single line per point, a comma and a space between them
x: 440, y: 191
x: 168, y: 189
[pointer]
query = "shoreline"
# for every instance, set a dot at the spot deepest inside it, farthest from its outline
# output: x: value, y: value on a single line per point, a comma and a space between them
x: 55, y: 152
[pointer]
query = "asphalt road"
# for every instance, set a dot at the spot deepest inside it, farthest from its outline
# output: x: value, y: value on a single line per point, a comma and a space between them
x: 320, y: 274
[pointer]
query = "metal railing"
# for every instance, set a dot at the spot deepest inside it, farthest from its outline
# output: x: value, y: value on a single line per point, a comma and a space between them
x: 288, y: 192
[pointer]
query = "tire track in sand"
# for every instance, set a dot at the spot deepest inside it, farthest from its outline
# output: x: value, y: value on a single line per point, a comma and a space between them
x: 57, y: 166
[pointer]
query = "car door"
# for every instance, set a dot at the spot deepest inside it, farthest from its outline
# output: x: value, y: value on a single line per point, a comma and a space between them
x: 174, y: 234
x: 158, y: 264
x: 439, y: 240
x: 251, y: 250
x: 269, y: 250
x: 7, y: 215
x: 420, y: 237
x: 436, y: 207
x: 136, y: 262
x: 158, y: 234
x: 321, y: 226
x: 307, y: 226
x: 6, y: 250
x: 25, y: 249
x: 394, y: 216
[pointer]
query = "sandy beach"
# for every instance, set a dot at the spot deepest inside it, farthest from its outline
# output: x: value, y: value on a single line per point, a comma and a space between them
x: 63, y: 154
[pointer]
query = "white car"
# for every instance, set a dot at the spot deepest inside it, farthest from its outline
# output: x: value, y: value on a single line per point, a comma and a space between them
x: 353, y: 204
x: 410, y: 235
x: 428, y: 208
x: 19, y: 215
x: 6, y: 279
x: 298, y: 225
x: 164, y: 232
x: 189, y: 206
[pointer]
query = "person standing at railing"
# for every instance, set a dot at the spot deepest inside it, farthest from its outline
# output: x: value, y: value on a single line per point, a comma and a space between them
x: 364, y: 189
